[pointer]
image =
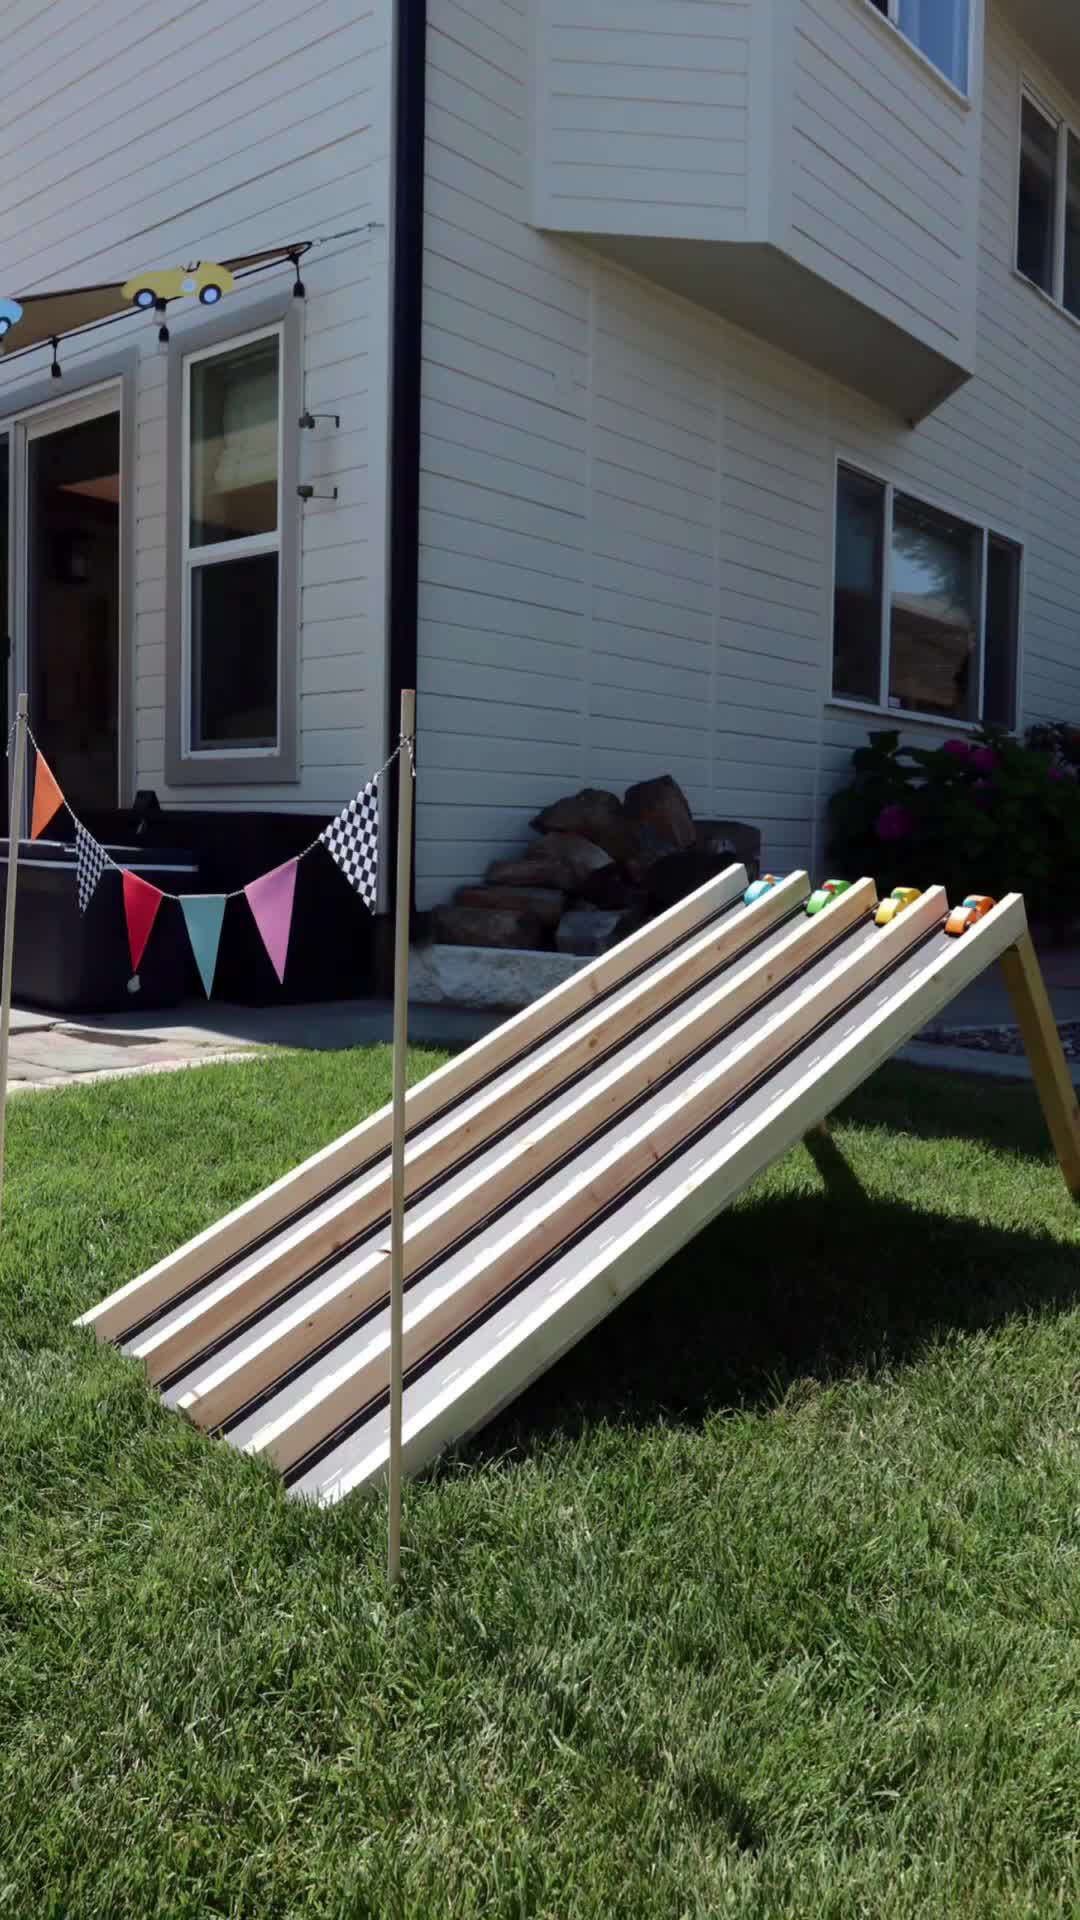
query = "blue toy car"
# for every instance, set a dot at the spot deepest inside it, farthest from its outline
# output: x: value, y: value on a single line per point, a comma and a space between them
x: 10, y: 315
x: 759, y: 888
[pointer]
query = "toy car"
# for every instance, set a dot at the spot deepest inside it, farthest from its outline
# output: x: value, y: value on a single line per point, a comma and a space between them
x: 759, y: 888
x: 824, y: 896
x: 10, y: 315
x: 975, y: 907
x: 205, y: 278
x: 899, y: 898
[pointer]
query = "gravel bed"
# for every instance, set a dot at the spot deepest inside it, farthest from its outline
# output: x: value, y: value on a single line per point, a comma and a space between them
x: 998, y: 1039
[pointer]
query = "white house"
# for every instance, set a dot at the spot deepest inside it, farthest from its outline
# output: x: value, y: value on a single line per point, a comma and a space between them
x: 685, y: 385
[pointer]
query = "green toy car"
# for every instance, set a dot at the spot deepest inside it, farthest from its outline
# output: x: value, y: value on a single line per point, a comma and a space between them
x: 824, y: 896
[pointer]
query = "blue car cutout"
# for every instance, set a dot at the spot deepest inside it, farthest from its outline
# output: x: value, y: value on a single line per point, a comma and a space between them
x: 10, y: 315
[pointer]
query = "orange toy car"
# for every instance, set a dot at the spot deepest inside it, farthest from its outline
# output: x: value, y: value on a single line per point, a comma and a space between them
x: 975, y: 907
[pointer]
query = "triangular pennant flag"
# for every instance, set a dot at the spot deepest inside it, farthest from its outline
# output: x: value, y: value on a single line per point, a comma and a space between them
x: 271, y: 901
x: 204, y: 913
x: 141, y: 902
x: 352, y: 841
x: 91, y: 861
x: 48, y: 798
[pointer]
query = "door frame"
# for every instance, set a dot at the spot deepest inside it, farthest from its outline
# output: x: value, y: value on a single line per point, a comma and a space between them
x: 30, y: 413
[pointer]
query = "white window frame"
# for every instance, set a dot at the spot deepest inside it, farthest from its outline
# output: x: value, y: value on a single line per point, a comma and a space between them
x: 892, y: 17
x: 224, y: 550
x: 883, y: 704
x: 1063, y: 130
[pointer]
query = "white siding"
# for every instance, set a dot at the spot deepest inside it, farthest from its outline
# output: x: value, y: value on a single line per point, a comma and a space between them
x: 883, y: 166
x: 141, y: 134
x: 627, y: 503
x: 643, y: 115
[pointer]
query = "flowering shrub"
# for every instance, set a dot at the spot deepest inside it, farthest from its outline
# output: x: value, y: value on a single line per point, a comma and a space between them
x: 983, y: 814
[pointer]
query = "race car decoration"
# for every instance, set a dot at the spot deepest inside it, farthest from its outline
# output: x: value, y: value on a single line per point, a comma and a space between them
x: 899, y: 898
x: 203, y: 280
x: 975, y: 908
x: 759, y: 888
x: 824, y: 896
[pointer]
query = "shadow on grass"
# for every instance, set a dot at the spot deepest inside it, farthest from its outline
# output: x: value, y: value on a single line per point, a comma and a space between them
x: 811, y: 1286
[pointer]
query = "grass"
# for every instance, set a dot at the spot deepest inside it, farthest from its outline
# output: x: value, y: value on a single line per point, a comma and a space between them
x: 765, y: 1602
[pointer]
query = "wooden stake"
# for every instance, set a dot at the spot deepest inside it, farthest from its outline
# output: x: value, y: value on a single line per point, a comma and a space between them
x: 1042, y: 1043
x: 397, y: 1150
x: 15, y: 824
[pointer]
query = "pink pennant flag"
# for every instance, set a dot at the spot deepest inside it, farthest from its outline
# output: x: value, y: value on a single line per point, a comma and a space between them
x: 141, y: 902
x: 271, y: 901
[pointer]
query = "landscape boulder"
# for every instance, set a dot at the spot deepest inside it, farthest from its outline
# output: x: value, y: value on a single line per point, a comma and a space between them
x: 457, y: 926
x: 659, y: 810
x: 598, y: 816
x: 546, y: 904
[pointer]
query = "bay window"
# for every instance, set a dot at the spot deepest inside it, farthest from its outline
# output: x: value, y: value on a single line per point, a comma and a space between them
x: 926, y: 607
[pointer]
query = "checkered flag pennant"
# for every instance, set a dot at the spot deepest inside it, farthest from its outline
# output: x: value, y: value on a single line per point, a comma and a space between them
x: 352, y: 840
x: 91, y: 861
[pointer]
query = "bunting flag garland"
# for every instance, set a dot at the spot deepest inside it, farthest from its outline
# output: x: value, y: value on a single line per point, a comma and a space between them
x: 204, y: 914
x: 271, y: 901
x: 48, y: 798
x: 141, y: 903
x: 352, y: 841
x: 91, y: 861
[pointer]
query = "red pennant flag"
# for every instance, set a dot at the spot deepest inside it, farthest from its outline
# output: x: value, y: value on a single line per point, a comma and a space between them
x: 48, y: 798
x: 141, y: 902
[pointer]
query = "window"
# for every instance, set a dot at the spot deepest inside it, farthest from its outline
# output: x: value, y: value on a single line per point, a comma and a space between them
x: 941, y: 29
x: 926, y: 610
x: 1048, y: 212
x: 231, y: 562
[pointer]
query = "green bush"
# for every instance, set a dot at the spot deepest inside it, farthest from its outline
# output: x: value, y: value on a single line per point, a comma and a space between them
x: 983, y: 814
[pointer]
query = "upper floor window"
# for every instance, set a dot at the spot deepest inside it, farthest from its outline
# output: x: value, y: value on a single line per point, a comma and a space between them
x: 941, y: 29
x: 1048, y: 212
x: 926, y: 607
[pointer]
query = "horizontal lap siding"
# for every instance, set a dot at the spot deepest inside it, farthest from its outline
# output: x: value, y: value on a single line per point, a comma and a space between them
x: 881, y: 161
x: 144, y: 135
x: 642, y: 116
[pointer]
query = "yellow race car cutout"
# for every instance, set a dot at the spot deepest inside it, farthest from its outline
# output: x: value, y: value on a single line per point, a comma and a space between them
x: 205, y: 279
x: 899, y: 898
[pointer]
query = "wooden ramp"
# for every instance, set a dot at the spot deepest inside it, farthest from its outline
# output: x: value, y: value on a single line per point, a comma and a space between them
x: 550, y: 1170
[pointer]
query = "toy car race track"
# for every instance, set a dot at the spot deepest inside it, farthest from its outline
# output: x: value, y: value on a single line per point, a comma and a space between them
x: 550, y: 1170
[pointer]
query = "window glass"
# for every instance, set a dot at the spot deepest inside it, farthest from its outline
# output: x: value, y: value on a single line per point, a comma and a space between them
x: 234, y: 653
x: 234, y: 444
x: 1036, y: 218
x: 860, y: 553
x: 939, y: 28
x: 1002, y: 630
x: 933, y: 660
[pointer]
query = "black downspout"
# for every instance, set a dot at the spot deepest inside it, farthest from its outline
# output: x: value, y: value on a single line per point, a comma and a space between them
x: 406, y: 321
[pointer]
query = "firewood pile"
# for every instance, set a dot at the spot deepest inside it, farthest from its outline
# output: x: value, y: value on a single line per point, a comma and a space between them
x: 599, y: 868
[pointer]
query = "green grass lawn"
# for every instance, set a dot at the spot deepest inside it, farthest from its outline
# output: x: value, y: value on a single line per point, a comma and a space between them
x: 765, y: 1602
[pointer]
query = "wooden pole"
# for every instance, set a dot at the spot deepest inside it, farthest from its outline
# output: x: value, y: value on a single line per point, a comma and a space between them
x: 15, y: 827
x: 1042, y: 1043
x: 397, y: 1150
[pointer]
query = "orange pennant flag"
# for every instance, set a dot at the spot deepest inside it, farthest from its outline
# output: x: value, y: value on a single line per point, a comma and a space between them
x: 48, y: 798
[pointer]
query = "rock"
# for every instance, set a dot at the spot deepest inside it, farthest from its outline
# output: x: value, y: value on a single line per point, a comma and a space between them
x: 546, y: 903
x: 732, y: 838
x: 597, y: 816
x: 660, y: 811
x: 584, y: 856
x: 588, y: 930
x: 559, y: 860
x: 678, y: 874
x: 457, y: 926
x: 609, y: 887
x: 485, y: 977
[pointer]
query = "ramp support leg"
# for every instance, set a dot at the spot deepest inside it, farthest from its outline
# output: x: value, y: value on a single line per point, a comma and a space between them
x: 1042, y: 1042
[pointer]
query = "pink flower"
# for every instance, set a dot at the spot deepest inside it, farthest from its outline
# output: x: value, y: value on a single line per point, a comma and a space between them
x: 1055, y: 773
x: 984, y: 759
x: 984, y: 792
x: 959, y: 748
x: 894, y: 823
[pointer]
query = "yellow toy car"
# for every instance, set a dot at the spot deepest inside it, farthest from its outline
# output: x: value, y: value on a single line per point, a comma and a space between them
x: 824, y: 896
x: 205, y: 279
x: 975, y: 908
x: 899, y: 898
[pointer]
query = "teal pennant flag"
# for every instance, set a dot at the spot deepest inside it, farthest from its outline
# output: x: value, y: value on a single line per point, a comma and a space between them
x: 204, y: 913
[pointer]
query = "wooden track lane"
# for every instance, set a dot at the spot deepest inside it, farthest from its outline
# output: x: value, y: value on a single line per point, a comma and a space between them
x: 363, y: 1206
x: 596, y: 1102
x: 455, y: 1293
x: 305, y: 1185
x: 468, y: 1383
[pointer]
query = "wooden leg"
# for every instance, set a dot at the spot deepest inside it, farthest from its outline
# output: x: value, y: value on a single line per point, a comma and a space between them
x: 1053, y: 1081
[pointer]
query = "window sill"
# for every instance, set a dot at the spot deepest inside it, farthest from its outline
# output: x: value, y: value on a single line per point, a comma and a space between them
x: 1048, y: 300
x: 902, y: 716
x: 919, y: 60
